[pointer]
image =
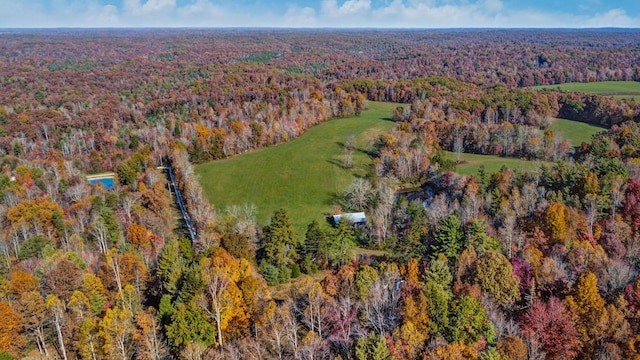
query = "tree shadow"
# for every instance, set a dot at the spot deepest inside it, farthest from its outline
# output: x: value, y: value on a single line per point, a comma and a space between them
x: 337, y: 163
x: 336, y: 198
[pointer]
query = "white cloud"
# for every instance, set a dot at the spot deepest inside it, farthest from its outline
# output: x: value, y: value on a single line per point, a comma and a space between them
x: 102, y: 16
x: 615, y: 17
x: 331, y: 9
x: 429, y: 14
x: 327, y: 13
x: 200, y: 7
x: 493, y: 5
x: 300, y: 17
x: 136, y: 8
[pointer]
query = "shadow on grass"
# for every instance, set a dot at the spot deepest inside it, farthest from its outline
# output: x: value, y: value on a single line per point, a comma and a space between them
x: 336, y: 198
x: 338, y: 163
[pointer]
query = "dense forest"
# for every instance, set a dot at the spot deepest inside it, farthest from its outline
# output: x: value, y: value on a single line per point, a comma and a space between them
x: 508, y: 265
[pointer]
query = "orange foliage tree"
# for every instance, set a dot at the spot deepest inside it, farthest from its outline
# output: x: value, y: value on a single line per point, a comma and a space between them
x: 11, y: 339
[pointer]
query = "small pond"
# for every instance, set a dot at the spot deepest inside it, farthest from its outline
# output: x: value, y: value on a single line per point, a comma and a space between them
x: 107, y: 183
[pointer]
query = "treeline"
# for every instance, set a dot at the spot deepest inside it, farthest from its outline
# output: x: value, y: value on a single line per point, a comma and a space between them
x: 95, y: 96
x: 497, y: 120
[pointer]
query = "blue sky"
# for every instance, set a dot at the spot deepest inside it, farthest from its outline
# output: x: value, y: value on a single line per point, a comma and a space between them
x: 320, y: 13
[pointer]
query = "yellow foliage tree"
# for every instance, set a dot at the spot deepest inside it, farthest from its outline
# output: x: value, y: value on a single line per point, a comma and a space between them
x: 115, y: 331
x: 587, y: 304
x: 11, y: 339
x: 22, y: 282
x: 40, y: 212
x: 456, y: 351
x: 555, y: 218
x: 223, y: 273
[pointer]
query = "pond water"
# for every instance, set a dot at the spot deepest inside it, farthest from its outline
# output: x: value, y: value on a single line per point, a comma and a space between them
x: 107, y: 183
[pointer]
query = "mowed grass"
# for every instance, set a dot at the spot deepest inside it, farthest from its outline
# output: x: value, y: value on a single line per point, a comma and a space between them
x: 574, y: 131
x: 618, y: 89
x: 470, y: 163
x: 302, y: 176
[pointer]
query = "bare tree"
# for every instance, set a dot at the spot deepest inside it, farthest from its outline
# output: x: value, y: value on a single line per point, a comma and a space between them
x: 508, y: 232
x: 100, y: 234
x: 591, y: 207
x: 347, y: 162
x: 380, y: 309
x: 458, y: 145
x: 618, y: 188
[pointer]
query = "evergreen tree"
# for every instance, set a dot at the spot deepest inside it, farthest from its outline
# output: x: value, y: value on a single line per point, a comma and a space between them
x: 111, y: 223
x: 170, y: 268
x: 316, y: 246
x: 342, y: 244
x: 469, y: 322
x: 280, y: 240
x: 449, y: 238
x: 477, y: 236
x: 439, y: 272
x: 413, y: 244
x: 372, y: 347
x: 438, y: 306
x: 189, y: 324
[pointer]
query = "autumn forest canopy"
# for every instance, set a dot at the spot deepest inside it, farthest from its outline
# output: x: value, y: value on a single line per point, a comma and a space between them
x: 532, y: 263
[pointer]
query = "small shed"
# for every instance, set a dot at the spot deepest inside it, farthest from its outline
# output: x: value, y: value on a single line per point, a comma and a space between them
x: 353, y: 218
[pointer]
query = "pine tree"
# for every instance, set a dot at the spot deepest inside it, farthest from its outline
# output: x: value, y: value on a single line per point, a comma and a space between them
x: 280, y: 240
x: 449, y: 238
x: 342, y: 244
x: 372, y: 347
x: 316, y: 246
x: 469, y: 322
x: 189, y: 324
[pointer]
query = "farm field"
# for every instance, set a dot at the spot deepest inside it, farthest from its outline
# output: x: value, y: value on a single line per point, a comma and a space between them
x: 470, y: 163
x: 303, y: 175
x: 618, y: 89
x: 574, y: 131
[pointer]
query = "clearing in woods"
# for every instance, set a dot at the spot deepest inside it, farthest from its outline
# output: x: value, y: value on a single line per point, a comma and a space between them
x: 617, y: 89
x: 302, y: 176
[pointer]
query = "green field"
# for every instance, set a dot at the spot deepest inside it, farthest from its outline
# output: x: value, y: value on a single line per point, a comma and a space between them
x: 302, y: 176
x: 470, y: 163
x: 574, y: 131
x: 618, y: 89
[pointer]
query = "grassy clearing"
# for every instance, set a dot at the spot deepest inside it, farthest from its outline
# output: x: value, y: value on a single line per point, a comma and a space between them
x: 302, y: 176
x: 574, y: 131
x: 470, y: 163
x: 627, y: 97
x: 609, y: 88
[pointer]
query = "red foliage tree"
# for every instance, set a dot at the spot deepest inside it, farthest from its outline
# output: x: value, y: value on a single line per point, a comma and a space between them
x: 632, y: 203
x: 550, y: 326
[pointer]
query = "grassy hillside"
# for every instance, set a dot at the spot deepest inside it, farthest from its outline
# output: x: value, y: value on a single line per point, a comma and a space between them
x: 302, y: 175
x: 470, y: 163
x: 574, y: 131
x: 619, y: 89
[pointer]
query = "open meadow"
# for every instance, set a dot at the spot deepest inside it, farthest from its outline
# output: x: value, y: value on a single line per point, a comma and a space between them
x: 574, y: 131
x: 303, y: 175
x: 469, y: 164
x: 617, y: 89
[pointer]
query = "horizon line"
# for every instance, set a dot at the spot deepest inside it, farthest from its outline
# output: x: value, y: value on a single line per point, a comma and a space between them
x: 306, y: 28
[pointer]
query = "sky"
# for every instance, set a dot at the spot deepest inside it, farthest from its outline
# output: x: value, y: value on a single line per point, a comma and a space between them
x: 321, y: 13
